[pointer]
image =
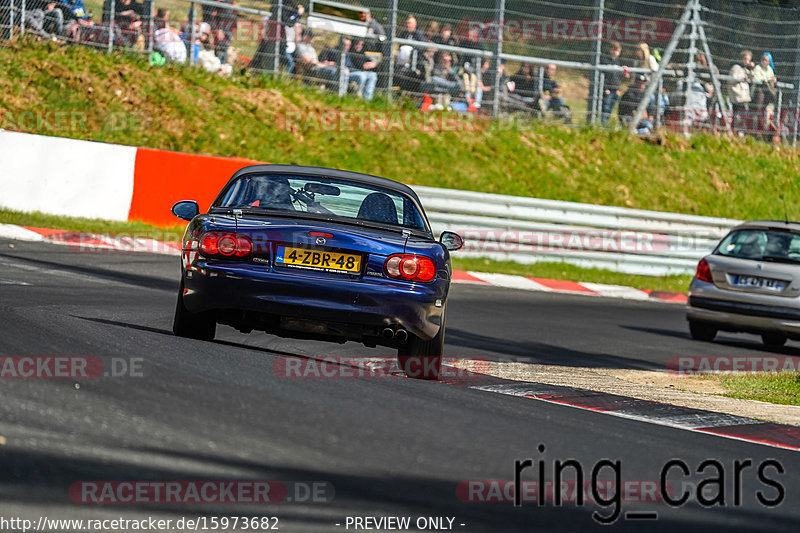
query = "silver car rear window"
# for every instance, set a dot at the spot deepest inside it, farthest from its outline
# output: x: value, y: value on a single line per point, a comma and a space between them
x: 761, y: 244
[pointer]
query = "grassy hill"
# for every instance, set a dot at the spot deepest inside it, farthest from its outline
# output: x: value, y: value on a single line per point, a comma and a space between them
x: 121, y: 99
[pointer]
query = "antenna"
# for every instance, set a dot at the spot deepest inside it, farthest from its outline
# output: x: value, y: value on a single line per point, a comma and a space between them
x: 236, y: 214
x: 785, y: 212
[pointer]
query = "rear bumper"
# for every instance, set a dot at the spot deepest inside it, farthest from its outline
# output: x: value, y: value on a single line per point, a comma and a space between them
x: 730, y: 315
x: 373, y: 303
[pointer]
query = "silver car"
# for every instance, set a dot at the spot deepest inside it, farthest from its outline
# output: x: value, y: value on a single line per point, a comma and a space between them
x: 750, y: 283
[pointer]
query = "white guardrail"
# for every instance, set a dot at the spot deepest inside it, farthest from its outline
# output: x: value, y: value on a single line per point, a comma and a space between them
x: 530, y: 230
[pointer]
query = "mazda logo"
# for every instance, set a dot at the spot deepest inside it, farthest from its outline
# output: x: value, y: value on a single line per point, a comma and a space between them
x: 321, y: 241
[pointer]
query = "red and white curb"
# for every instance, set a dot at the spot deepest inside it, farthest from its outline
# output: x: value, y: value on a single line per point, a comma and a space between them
x: 663, y: 414
x: 87, y: 242
x: 569, y: 287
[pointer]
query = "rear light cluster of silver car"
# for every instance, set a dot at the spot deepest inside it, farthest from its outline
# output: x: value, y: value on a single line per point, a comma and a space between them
x: 410, y: 267
x: 703, y: 271
x: 225, y: 244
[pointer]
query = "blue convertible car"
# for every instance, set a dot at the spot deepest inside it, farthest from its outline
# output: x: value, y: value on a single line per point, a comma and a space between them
x: 315, y: 253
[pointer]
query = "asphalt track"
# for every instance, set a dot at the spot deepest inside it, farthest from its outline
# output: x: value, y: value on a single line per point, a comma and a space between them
x: 389, y: 447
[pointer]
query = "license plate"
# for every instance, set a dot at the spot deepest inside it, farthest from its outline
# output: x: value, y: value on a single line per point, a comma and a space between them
x: 760, y: 283
x: 318, y: 260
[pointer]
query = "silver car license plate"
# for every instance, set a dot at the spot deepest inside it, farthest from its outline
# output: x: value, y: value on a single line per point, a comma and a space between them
x: 759, y: 283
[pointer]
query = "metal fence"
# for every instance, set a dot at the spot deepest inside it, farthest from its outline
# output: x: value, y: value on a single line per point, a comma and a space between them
x: 540, y: 58
x: 531, y: 230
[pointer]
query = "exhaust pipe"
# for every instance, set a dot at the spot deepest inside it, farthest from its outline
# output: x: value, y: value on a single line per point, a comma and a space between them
x: 388, y: 333
x: 401, y: 335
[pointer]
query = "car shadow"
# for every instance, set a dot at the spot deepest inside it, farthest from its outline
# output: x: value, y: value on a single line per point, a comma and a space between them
x: 499, y: 349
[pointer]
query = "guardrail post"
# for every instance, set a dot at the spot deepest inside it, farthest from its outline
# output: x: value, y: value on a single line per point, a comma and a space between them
x: 192, y: 33
x: 389, y: 47
x: 498, y: 50
x: 343, y: 77
x: 278, y: 25
x: 111, y: 18
x: 597, y: 93
x: 151, y: 27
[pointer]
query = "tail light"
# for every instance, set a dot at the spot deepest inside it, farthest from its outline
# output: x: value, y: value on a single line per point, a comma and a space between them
x: 703, y: 271
x: 220, y: 243
x: 410, y: 267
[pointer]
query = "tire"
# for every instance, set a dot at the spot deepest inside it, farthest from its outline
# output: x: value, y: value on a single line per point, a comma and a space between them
x: 773, y: 339
x: 199, y: 326
x: 422, y: 359
x: 701, y: 331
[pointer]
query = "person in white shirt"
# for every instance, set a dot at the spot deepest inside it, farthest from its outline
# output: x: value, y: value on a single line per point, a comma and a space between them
x: 167, y: 40
x: 764, y: 80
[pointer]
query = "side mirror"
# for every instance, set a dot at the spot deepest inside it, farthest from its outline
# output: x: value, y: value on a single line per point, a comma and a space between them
x: 187, y: 209
x: 451, y: 241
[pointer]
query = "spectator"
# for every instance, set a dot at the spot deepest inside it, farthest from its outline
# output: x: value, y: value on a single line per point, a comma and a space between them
x: 469, y: 66
x: 612, y: 81
x: 223, y: 22
x: 551, y: 91
x: 374, y: 28
x: 404, y: 59
x: 364, y: 71
x: 376, y: 37
x: 431, y: 31
x: 167, y: 40
x: 77, y: 19
x: 631, y: 98
x: 765, y: 90
x: 34, y: 21
x: 523, y: 83
x: 645, y: 59
x: 444, y: 76
x: 739, y: 89
x: 411, y: 32
x: 469, y: 60
x: 292, y: 28
x: 446, y: 36
x: 128, y: 17
x: 306, y: 55
x: 202, y: 38
x: 697, y: 102
x: 53, y: 21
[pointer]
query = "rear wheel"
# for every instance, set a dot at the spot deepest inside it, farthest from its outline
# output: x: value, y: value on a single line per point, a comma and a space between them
x: 200, y: 326
x: 773, y: 338
x: 422, y: 359
x: 701, y: 331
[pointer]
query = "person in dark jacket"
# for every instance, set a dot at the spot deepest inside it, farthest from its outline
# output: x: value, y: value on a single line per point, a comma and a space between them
x: 524, y: 82
x: 612, y: 80
x: 223, y: 24
x: 630, y: 101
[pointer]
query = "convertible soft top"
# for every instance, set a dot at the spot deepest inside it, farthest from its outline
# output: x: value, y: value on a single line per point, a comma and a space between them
x: 357, y: 177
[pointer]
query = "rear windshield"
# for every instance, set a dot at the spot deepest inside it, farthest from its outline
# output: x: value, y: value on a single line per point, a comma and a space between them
x: 323, y: 196
x: 761, y: 244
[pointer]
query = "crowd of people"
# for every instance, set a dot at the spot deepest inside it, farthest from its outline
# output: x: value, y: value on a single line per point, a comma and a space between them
x: 451, y: 79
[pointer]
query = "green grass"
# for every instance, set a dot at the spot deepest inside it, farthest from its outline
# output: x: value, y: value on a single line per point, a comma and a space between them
x: 268, y: 119
x: 562, y: 271
x: 91, y: 225
x: 781, y: 388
